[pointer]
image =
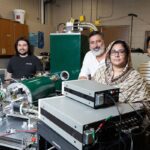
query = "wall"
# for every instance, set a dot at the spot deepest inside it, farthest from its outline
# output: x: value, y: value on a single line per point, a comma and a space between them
x: 32, y: 19
x: 111, y: 12
x: 32, y: 16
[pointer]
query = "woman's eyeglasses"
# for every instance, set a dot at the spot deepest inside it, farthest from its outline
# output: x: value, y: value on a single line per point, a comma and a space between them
x: 118, y: 52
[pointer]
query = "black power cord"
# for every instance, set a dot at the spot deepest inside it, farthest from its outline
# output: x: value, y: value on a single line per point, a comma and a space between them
x: 141, y: 117
x: 120, y: 127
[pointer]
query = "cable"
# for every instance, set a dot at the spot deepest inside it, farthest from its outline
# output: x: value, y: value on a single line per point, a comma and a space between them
x: 120, y: 127
x: 33, y: 145
x: 112, y: 11
x: 130, y: 136
x: 147, y: 109
x: 102, y: 124
x: 119, y: 18
x: 53, y: 147
x: 27, y: 131
x: 96, y: 9
x: 141, y: 117
x: 71, y: 8
x: 14, y: 131
x: 100, y: 127
x: 116, y: 107
x: 124, y: 144
x: 142, y: 20
x: 91, y: 12
x: 131, y: 147
x: 82, y: 7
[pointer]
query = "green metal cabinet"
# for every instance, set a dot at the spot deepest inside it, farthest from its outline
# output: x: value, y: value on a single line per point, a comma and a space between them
x: 67, y: 51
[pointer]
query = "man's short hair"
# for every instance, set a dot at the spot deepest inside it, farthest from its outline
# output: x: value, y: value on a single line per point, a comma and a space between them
x: 96, y: 33
x: 28, y: 43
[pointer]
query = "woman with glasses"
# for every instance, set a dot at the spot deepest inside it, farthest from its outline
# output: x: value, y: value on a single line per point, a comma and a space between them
x: 119, y: 72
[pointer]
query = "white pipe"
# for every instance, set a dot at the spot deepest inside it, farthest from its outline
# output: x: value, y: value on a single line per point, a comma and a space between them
x: 89, y: 25
x: 43, y: 2
x: 42, y: 11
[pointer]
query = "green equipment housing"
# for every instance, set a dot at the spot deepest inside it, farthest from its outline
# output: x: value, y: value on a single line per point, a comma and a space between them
x: 67, y: 51
x: 32, y: 89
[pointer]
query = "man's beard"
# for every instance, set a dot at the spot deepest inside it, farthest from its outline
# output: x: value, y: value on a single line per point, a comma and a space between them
x: 98, y: 51
x: 22, y: 54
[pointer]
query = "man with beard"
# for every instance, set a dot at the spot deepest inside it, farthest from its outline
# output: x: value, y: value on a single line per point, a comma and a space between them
x: 95, y: 58
x: 23, y: 64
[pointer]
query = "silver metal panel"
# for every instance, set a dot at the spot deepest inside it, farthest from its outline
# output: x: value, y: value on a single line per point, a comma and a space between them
x: 87, y: 87
x: 58, y: 107
x: 74, y: 113
x: 61, y: 132
x: 61, y: 115
x: 65, y: 33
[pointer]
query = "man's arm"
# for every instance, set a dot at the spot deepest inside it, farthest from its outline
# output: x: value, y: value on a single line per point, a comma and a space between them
x: 8, y: 77
x: 84, y: 73
x: 82, y: 78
